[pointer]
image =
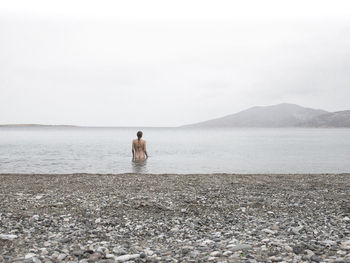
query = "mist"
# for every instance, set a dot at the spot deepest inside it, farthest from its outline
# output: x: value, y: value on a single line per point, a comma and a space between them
x: 156, y: 64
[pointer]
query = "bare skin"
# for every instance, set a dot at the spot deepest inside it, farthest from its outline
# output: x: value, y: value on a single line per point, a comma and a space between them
x: 139, y: 151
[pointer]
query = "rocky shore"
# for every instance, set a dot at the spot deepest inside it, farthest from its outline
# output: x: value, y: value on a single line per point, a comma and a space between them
x: 175, y: 218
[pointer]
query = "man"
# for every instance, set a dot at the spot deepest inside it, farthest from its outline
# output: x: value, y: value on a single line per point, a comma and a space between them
x: 139, y: 148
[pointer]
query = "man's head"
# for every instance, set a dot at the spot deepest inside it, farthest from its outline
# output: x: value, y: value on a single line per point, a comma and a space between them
x: 139, y: 135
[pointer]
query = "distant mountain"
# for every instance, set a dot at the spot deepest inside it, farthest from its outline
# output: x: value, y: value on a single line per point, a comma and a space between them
x: 281, y: 115
x: 339, y: 119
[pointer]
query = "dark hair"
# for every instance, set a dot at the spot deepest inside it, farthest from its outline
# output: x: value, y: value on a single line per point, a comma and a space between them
x: 139, y: 134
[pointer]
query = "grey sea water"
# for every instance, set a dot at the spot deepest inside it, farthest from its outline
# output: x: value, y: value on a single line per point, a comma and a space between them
x: 173, y: 150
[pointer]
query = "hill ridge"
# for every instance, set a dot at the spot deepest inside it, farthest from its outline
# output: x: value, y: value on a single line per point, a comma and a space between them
x: 280, y: 115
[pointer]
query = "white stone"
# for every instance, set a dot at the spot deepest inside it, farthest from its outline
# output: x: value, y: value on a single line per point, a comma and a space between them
x: 61, y: 257
x: 29, y: 255
x: 275, y: 259
x: 207, y: 242
x: 233, y: 241
x: 102, y: 250
x: 148, y: 252
x: 309, y: 252
x: 341, y: 252
x: 288, y: 248
x: 215, y: 254
x: 346, y: 219
x: 174, y: 229
x: 44, y: 251
x: 47, y: 244
x: 230, y: 245
x: 127, y: 257
x: 109, y: 256
x: 275, y: 227
x: 269, y: 231
x: 238, y: 247
x: 227, y: 253
x: 296, y: 230
x: 345, y: 244
x: 7, y: 237
x: 329, y: 242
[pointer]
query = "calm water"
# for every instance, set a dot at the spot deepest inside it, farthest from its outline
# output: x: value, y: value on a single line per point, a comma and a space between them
x: 176, y: 151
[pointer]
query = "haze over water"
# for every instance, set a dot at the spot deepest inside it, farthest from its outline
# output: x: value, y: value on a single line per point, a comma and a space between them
x: 173, y: 150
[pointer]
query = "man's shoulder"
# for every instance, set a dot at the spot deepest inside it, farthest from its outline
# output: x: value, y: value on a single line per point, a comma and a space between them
x: 142, y: 140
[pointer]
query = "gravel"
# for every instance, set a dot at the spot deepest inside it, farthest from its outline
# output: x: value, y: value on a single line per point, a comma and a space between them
x: 174, y: 218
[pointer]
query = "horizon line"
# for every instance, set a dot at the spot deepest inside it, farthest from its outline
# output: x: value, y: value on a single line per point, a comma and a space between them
x: 76, y: 126
x: 177, y: 126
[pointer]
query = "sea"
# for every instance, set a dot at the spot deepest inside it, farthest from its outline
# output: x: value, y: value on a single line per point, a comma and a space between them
x: 175, y: 150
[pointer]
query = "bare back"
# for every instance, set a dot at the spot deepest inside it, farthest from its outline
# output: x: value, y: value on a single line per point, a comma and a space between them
x: 139, y: 149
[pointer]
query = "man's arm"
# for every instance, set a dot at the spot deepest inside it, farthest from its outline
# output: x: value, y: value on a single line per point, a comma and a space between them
x: 133, y: 150
x: 144, y: 149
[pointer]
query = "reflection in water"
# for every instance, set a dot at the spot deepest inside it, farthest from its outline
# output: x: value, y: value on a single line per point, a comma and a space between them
x: 139, y: 166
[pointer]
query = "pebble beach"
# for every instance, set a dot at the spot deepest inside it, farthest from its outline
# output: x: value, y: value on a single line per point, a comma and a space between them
x: 175, y: 218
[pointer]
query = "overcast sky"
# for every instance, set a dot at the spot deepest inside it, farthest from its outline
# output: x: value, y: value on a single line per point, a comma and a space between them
x: 168, y: 63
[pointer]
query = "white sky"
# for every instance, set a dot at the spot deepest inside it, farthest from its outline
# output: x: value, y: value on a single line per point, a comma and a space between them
x: 168, y: 63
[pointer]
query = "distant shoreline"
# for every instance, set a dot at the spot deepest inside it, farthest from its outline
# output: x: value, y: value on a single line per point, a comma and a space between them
x: 74, y: 126
x: 43, y: 126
